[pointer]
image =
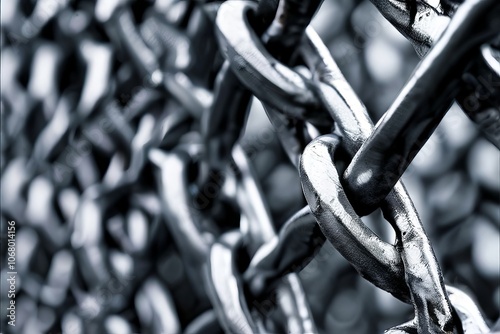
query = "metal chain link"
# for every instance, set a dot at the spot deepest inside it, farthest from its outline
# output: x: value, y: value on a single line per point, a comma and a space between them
x: 139, y: 208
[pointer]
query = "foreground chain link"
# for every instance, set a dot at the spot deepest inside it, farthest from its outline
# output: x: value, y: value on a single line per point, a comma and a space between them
x: 142, y: 203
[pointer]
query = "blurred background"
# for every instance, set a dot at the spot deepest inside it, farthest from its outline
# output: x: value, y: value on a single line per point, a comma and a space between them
x: 84, y: 267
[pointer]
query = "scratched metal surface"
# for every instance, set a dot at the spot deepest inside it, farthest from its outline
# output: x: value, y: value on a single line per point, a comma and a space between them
x: 155, y: 158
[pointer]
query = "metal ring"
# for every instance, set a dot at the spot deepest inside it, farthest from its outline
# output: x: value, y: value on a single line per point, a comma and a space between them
x: 398, y: 269
x: 271, y: 82
x: 419, y: 108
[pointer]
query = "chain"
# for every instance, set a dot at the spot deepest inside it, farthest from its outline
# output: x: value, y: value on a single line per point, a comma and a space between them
x: 139, y: 208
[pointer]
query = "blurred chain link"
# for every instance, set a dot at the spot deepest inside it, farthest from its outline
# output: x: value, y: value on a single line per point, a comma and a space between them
x: 177, y: 166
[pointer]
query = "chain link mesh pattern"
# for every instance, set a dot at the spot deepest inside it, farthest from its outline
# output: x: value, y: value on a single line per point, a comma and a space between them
x: 177, y: 166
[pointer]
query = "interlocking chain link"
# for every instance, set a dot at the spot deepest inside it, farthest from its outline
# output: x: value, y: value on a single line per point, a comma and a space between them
x: 140, y: 208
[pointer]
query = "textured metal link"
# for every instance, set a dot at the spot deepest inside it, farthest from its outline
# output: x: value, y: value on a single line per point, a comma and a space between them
x: 140, y: 210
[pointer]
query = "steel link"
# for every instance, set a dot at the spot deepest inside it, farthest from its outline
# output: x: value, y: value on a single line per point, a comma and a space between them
x: 419, y: 108
x: 400, y: 263
x: 428, y: 26
x: 255, y: 67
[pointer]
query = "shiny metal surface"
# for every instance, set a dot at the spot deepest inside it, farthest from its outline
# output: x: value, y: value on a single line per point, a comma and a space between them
x: 428, y: 25
x: 420, y: 106
x: 176, y: 166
